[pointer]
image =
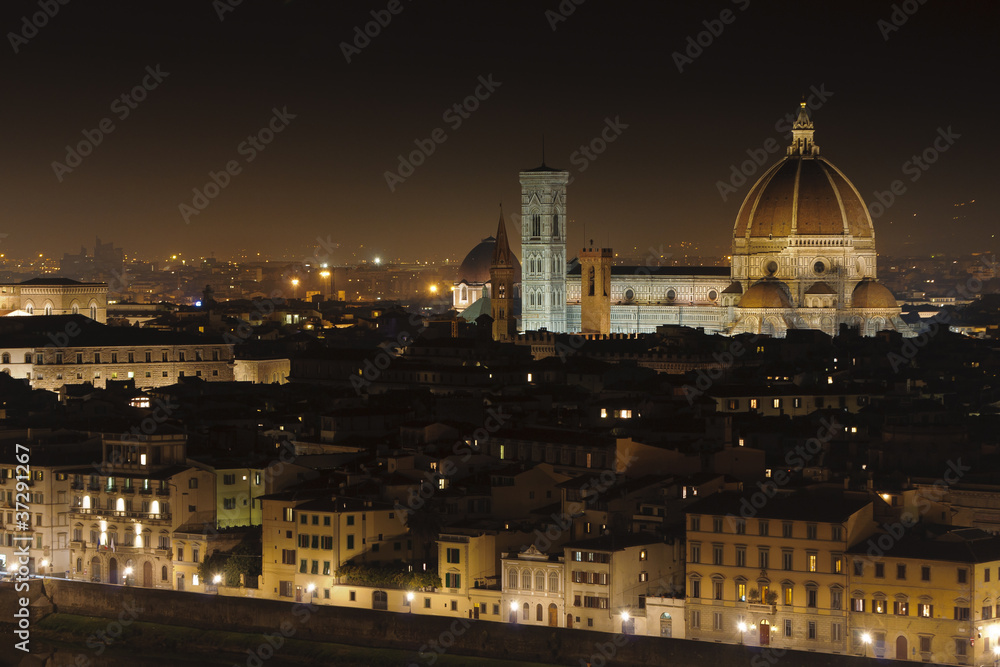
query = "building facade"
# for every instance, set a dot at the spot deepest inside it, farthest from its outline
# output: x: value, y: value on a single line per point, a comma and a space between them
x: 55, y: 296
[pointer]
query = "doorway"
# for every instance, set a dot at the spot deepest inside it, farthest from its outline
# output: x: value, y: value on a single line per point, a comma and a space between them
x: 765, y: 633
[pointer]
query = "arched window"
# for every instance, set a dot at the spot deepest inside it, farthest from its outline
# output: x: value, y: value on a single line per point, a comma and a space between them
x: 538, y: 613
x: 6, y: 357
x: 79, y: 565
x: 163, y: 573
x: 539, y: 585
x: 48, y: 309
x: 76, y: 308
x: 30, y: 309
x: 536, y: 225
x: 554, y: 582
x: 526, y: 612
x: 526, y: 583
x: 512, y: 578
x: 93, y: 311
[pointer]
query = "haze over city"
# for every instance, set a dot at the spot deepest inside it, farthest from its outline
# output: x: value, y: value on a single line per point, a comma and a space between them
x: 685, y: 114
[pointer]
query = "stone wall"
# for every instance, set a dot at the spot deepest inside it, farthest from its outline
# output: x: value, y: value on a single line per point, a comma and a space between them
x: 426, y: 636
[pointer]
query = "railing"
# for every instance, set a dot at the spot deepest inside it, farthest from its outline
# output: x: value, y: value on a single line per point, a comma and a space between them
x: 146, y: 492
x: 163, y: 492
x: 121, y: 514
x: 762, y: 608
x: 76, y: 486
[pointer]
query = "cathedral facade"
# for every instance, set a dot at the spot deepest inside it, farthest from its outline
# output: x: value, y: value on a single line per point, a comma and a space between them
x: 803, y: 257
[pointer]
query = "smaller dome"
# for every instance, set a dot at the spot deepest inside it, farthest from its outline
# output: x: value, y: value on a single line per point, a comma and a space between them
x: 766, y: 294
x: 870, y: 294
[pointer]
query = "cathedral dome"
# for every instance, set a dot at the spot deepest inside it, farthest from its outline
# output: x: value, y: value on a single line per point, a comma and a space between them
x: 803, y: 194
x: 870, y: 294
x: 475, y: 267
x: 766, y: 294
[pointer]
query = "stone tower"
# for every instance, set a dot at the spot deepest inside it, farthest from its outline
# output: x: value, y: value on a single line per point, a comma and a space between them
x: 595, y: 290
x: 543, y: 248
x: 502, y: 287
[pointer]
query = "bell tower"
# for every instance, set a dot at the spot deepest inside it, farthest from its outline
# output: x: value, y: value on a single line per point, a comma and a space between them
x: 543, y: 248
x: 502, y: 287
x: 595, y: 290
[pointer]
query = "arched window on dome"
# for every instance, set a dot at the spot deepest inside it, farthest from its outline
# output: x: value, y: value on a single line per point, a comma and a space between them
x: 464, y: 294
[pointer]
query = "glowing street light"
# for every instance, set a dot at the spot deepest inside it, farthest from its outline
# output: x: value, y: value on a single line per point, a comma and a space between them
x: 742, y: 627
x: 866, y: 639
x: 295, y: 286
x: 434, y: 289
x: 378, y: 260
x: 409, y: 602
x: 217, y: 579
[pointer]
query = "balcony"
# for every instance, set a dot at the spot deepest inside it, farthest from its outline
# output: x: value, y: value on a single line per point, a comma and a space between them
x: 76, y: 486
x: 126, y: 514
x: 93, y: 487
x: 146, y: 492
x: 128, y: 490
x: 762, y: 608
x: 163, y: 492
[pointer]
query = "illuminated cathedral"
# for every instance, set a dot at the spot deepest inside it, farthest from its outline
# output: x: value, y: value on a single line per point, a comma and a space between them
x: 803, y: 257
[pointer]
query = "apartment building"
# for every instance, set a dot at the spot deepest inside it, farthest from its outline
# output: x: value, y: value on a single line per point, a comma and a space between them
x: 772, y: 571
x: 306, y: 540
x: 927, y: 594
x: 126, y: 512
x: 72, y: 349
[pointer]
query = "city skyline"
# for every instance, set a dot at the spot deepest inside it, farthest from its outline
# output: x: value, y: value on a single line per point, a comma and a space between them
x: 251, y: 99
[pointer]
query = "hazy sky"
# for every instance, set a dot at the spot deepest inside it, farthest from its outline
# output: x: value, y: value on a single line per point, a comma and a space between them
x: 678, y: 125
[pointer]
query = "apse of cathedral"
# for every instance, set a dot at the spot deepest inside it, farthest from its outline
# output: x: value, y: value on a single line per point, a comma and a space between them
x: 803, y: 257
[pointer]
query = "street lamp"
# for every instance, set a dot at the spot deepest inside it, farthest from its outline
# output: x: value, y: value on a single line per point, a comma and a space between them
x: 409, y: 602
x: 742, y: 627
x: 311, y: 589
x: 996, y: 656
x: 513, y: 611
x: 866, y: 639
x: 295, y: 286
x: 217, y: 579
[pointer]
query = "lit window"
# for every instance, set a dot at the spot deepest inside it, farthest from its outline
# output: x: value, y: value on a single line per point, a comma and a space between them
x: 604, y: 413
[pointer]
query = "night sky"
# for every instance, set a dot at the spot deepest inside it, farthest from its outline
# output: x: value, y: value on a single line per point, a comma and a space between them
x: 885, y: 96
